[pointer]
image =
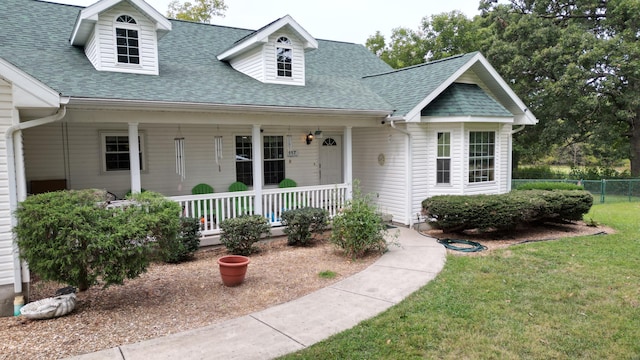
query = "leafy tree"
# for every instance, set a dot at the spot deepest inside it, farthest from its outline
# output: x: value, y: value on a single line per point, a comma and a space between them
x: 438, y: 37
x: 576, y: 64
x: 406, y: 47
x: 452, y: 33
x: 199, y: 11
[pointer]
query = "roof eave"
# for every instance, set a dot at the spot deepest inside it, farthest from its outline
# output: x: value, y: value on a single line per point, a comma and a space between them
x: 147, y: 105
x: 468, y: 119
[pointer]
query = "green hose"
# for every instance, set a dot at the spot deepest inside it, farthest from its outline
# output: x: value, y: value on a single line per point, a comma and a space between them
x: 473, y: 246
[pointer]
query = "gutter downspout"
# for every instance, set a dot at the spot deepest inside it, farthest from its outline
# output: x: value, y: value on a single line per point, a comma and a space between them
x: 409, y: 172
x: 13, y: 191
x: 511, y: 155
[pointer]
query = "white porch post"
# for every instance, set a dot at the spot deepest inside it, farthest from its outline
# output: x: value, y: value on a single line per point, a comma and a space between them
x: 256, y: 147
x: 134, y: 158
x: 348, y: 161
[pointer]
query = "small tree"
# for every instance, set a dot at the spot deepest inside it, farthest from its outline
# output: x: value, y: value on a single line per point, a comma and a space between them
x: 359, y: 228
x: 76, y: 238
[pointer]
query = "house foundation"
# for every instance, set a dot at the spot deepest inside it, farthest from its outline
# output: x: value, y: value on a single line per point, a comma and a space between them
x: 7, y: 295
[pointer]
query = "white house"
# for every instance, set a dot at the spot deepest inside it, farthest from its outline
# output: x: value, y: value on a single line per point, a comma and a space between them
x: 116, y: 96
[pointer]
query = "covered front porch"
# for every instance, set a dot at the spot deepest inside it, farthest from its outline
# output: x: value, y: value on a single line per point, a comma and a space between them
x: 178, y: 152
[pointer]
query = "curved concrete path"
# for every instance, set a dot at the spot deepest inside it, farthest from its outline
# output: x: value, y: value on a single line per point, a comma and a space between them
x: 294, y: 325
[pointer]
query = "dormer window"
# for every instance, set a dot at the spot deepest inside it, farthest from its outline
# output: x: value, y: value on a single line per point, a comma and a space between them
x: 284, y: 54
x: 127, y: 40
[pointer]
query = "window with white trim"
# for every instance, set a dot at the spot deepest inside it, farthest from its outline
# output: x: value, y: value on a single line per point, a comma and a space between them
x: 272, y: 166
x: 115, y: 152
x: 273, y: 159
x: 443, y: 160
x: 284, y: 57
x: 481, y: 156
x: 244, y: 163
x: 127, y: 44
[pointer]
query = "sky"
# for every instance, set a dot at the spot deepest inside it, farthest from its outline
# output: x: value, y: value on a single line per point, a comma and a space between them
x: 341, y: 20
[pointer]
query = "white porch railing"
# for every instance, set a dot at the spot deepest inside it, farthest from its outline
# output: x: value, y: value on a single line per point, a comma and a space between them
x: 212, y: 209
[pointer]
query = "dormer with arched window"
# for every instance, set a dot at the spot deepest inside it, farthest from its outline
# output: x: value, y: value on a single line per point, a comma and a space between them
x: 121, y: 35
x: 274, y: 54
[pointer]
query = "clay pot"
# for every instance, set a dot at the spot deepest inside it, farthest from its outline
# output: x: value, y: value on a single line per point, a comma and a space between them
x: 233, y: 268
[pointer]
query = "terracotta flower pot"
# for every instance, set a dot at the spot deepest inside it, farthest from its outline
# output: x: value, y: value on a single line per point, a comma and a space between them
x: 233, y: 269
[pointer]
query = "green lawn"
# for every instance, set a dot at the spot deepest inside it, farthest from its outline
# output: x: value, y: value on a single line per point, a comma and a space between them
x: 576, y: 298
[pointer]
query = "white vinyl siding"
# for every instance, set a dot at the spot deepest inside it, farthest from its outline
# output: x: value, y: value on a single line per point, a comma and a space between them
x: 503, y: 138
x: 92, y: 51
x: 43, y: 152
x: 85, y: 164
x: 425, y: 142
x: 260, y: 63
x: 251, y: 64
x: 385, y: 183
x: 104, y: 39
x: 298, y: 67
x: 6, y: 238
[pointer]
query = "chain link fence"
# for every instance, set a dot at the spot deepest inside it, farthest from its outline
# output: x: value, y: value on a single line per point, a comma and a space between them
x: 605, y: 190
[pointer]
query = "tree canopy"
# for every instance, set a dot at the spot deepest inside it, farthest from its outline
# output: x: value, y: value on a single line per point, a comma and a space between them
x: 576, y: 64
x: 199, y: 11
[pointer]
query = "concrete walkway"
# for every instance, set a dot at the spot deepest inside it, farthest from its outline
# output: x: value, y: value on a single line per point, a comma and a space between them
x: 294, y: 325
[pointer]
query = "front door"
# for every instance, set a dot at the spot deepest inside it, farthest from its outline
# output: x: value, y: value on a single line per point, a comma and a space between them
x: 331, y: 160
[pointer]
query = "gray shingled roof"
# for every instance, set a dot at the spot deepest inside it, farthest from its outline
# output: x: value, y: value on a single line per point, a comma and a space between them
x: 35, y: 38
x: 465, y: 100
x: 406, y: 88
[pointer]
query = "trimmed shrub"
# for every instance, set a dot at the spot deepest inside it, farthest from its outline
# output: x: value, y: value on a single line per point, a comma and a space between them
x: 185, y: 244
x: 537, y: 172
x: 549, y: 186
x: 453, y: 213
x: 302, y: 223
x: 359, y: 228
x: 77, y: 237
x: 240, y: 234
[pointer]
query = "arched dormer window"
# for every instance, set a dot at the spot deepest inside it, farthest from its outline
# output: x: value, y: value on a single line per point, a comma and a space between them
x: 284, y: 56
x: 127, y: 46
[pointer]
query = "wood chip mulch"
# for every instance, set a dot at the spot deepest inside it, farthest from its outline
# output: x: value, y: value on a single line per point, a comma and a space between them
x: 172, y: 298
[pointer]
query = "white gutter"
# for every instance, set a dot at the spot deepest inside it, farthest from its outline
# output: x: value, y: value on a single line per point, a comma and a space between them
x: 123, y: 104
x: 409, y: 172
x: 13, y: 191
x: 518, y: 129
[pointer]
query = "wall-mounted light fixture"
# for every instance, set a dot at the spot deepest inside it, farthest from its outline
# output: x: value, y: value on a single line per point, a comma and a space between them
x: 309, y: 138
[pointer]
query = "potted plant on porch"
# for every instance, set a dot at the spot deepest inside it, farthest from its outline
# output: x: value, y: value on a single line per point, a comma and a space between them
x: 239, y: 236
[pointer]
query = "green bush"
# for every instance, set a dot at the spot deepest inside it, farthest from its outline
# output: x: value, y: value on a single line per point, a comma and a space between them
x: 537, y: 172
x: 184, y: 245
x: 549, y: 186
x: 453, y: 213
x: 77, y: 238
x: 240, y: 234
x: 359, y: 228
x: 302, y: 223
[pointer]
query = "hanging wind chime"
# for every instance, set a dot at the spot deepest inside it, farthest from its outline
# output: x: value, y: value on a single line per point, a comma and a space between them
x: 218, y: 151
x: 180, y: 166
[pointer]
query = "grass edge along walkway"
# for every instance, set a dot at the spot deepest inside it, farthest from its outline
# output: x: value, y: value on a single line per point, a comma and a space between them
x: 565, y: 299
